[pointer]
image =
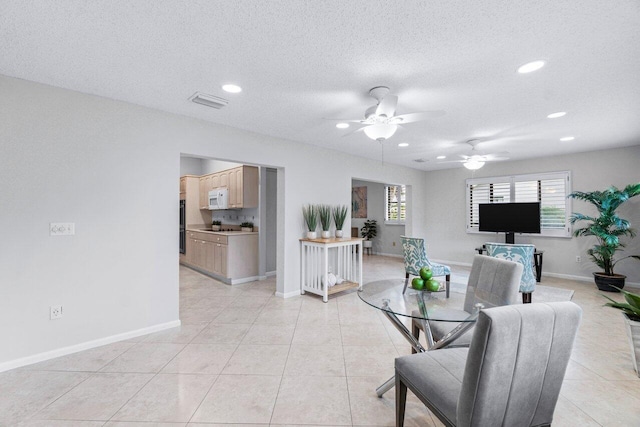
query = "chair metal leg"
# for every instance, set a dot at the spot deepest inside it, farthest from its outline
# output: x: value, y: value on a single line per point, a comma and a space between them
x: 406, y: 282
x: 401, y: 401
x: 448, y: 284
x: 526, y: 297
x: 415, y: 330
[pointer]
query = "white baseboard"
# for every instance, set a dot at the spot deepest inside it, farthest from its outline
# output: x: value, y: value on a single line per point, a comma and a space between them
x: 288, y: 294
x: 445, y: 262
x: 244, y: 280
x: 41, y: 357
x: 270, y: 273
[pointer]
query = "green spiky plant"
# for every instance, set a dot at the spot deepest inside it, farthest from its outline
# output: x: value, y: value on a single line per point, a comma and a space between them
x: 324, y: 212
x: 310, y: 214
x: 607, y: 227
x: 631, y: 308
x: 339, y: 215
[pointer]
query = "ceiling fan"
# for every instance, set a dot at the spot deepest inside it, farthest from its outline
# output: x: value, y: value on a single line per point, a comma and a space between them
x: 380, y: 120
x: 476, y: 159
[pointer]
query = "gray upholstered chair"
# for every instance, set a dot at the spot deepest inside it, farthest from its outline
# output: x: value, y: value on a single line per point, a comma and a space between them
x: 510, y: 375
x: 522, y: 253
x: 492, y: 282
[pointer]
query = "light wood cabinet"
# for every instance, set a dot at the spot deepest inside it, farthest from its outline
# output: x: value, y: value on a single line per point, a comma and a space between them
x: 230, y: 258
x: 192, y: 190
x: 241, y: 182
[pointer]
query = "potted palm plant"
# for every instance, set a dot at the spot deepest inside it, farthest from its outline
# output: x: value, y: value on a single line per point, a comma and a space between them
x: 631, y: 312
x: 310, y: 214
x: 324, y: 212
x: 607, y: 227
x: 369, y: 231
x: 339, y: 215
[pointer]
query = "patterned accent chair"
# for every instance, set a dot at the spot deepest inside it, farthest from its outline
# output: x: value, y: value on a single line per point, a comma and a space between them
x: 415, y: 257
x: 522, y: 254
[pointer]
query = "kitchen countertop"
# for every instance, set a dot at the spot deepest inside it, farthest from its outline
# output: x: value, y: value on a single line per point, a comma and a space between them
x: 222, y: 233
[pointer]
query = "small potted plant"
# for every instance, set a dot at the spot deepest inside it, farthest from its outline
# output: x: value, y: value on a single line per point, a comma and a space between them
x: 369, y: 231
x: 631, y: 312
x: 339, y: 216
x: 324, y: 212
x: 310, y: 214
x: 607, y: 227
x: 246, y: 226
x: 215, y: 225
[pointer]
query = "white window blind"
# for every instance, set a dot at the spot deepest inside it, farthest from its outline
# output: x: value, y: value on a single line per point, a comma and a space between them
x: 550, y: 189
x: 395, y: 204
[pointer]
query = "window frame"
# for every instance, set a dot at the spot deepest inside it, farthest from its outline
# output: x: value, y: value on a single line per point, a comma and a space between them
x: 399, y: 221
x: 565, y: 232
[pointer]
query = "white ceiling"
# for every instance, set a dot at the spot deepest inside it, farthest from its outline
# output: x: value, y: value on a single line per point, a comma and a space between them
x: 300, y: 62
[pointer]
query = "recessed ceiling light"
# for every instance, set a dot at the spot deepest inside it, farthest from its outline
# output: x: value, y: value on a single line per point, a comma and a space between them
x: 530, y: 67
x: 441, y: 157
x: 556, y: 115
x: 231, y: 88
x: 403, y: 144
x: 342, y: 125
x: 567, y: 138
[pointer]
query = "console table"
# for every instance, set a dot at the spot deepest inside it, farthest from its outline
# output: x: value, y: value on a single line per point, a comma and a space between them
x: 340, y: 256
x: 537, y: 261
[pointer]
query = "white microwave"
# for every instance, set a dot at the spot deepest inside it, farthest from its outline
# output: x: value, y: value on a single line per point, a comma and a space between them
x: 218, y: 199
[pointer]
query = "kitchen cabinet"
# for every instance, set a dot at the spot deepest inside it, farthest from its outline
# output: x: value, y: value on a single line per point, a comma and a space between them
x: 231, y: 257
x: 243, y: 187
x: 242, y: 183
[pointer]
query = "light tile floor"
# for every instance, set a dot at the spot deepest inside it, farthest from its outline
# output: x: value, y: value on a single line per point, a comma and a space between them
x: 245, y: 357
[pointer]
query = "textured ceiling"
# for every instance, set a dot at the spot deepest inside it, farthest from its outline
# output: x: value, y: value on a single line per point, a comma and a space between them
x: 300, y: 62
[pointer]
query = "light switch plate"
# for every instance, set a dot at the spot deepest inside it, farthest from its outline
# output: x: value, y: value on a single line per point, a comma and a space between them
x: 62, y: 229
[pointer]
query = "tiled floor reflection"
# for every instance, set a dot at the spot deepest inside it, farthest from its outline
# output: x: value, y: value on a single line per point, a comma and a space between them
x: 245, y: 357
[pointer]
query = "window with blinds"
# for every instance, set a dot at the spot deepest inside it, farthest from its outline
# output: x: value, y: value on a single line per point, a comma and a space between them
x: 395, y: 204
x: 550, y: 189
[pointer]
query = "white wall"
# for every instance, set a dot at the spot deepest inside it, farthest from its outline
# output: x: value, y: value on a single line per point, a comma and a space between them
x: 597, y: 170
x: 387, y: 234
x: 190, y: 166
x: 113, y: 168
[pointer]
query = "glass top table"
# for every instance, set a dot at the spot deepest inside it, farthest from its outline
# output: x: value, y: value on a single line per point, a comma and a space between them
x: 421, y: 307
x: 386, y: 295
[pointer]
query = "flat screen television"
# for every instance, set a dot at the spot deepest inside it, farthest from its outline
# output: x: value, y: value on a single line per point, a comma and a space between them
x: 509, y: 218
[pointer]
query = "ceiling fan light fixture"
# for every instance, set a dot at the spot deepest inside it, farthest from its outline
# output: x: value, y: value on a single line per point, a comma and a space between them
x: 342, y: 125
x: 530, y: 67
x: 473, y: 165
x: 567, y: 138
x: 441, y: 157
x: 403, y: 144
x: 556, y: 115
x: 380, y: 132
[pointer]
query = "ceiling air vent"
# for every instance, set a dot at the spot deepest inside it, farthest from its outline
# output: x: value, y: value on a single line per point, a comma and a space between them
x: 420, y: 160
x: 208, y: 100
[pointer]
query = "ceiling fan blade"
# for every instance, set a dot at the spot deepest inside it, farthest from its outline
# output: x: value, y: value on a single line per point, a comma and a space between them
x: 416, y: 117
x: 361, y: 129
x: 344, y: 120
x: 387, y: 106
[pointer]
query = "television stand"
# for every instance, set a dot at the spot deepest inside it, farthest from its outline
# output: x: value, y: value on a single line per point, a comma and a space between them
x: 510, y: 238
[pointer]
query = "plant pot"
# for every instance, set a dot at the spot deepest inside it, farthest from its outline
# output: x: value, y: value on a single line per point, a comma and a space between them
x: 633, y: 332
x: 215, y: 228
x: 312, y: 235
x: 339, y: 234
x: 367, y: 243
x: 605, y: 282
x: 246, y: 229
x: 326, y: 234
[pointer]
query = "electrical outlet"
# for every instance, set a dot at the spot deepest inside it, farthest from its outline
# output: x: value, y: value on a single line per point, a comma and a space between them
x: 578, y: 258
x: 55, y: 312
x: 394, y: 243
x: 62, y: 229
